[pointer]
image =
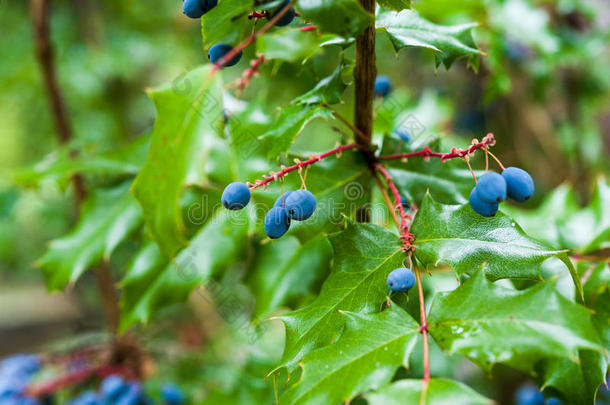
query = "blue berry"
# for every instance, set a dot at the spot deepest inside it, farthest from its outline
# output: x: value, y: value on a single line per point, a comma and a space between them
x: 287, y: 17
x: 528, y: 394
x: 132, y: 396
x: 172, y: 394
x: 86, y: 398
x: 112, y: 387
x: 235, y: 196
x: 401, y: 279
x: 197, y: 8
x: 20, y: 365
x: 383, y: 86
x: 403, y: 135
x: 491, y: 188
x: 218, y: 51
x: 11, y: 386
x: 519, y: 184
x: 405, y: 204
x: 276, y: 222
x: 280, y: 202
x: 480, y: 207
x: 300, y: 205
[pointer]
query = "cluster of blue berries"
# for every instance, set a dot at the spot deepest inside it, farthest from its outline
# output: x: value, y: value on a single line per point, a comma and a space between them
x: 114, y: 390
x: 197, y: 8
x: 296, y: 205
x: 528, y: 394
x: 15, y: 374
x: 492, y: 188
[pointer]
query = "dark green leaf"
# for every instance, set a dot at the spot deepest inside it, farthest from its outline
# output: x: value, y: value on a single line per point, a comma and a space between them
x: 491, y: 324
x: 363, y: 257
x: 227, y: 22
x: 449, y: 43
x: 328, y: 90
x: 365, y: 357
x: 344, y: 17
x: 188, y: 113
x: 438, y: 391
x: 396, y: 5
x: 108, y: 217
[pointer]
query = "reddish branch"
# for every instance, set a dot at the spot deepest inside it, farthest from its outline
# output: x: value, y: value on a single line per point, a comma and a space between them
x: 308, y: 28
x: 426, y: 153
x: 250, y: 72
x: 244, y: 44
x: 71, y: 379
x: 424, y: 323
x: 316, y: 158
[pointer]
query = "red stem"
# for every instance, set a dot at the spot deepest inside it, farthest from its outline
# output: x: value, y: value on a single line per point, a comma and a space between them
x: 286, y: 170
x: 424, y: 323
x: 70, y: 379
x: 308, y: 28
x: 233, y: 52
x: 455, y: 153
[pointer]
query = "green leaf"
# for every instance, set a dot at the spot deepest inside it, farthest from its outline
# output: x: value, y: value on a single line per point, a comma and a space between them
x: 448, y: 185
x: 365, y: 357
x: 291, y: 45
x: 588, y: 230
x: 363, y: 257
x: 328, y: 90
x: 60, y: 166
x: 449, y: 43
x: 458, y: 236
x: 344, y: 17
x: 396, y: 5
x: 491, y: 324
x: 438, y: 391
x: 291, y: 122
x: 153, y: 283
x: 108, y: 218
x: 296, y: 269
x: 188, y: 113
x: 578, y: 380
x: 227, y: 22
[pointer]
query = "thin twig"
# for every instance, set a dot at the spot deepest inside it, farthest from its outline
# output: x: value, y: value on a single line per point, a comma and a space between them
x: 425, y: 152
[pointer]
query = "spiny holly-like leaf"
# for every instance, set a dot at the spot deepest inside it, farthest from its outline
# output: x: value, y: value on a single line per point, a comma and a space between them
x: 291, y: 45
x: 588, y: 230
x: 363, y: 257
x: 188, y: 112
x: 152, y: 283
x: 227, y: 22
x: 328, y: 90
x: 108, y: 217
x: 578, y: 380
x: 366, y: 356
x: 296, y: 268
x: 290, y: 123
x: 438, y: 391
x: 491, y: 324
x: 60, y: 166
x: 344, y: 17
x: 449, y: 43
x: 396, y: 5
x: 458, y: 236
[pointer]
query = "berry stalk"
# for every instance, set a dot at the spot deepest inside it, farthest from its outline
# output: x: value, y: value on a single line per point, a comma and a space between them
x: 425, y: 152
x: 286, y: 170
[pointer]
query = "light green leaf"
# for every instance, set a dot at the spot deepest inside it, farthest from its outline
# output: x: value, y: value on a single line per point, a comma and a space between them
x: 449, y: 43
x: 188, y: 113
x: 296, y: 269
x: 363, y: 257
x: 396, y: 5
x: 456, y: 235
x: 438, y: 391
x: 344, y: 17
x: 227, y: 22
x: 365, y: 357
x: 491, y: 324
x: 291, y: 45
x: 152, y: 283
x: 108, y: 218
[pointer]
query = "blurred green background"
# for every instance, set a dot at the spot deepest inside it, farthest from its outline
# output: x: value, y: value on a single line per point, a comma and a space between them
x: 542, y: 89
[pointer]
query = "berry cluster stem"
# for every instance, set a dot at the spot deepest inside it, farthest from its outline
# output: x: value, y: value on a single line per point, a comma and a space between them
x: 247, y: 75
x: 299, y: 165
x: 424, y: 323
x: 426, y: 153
